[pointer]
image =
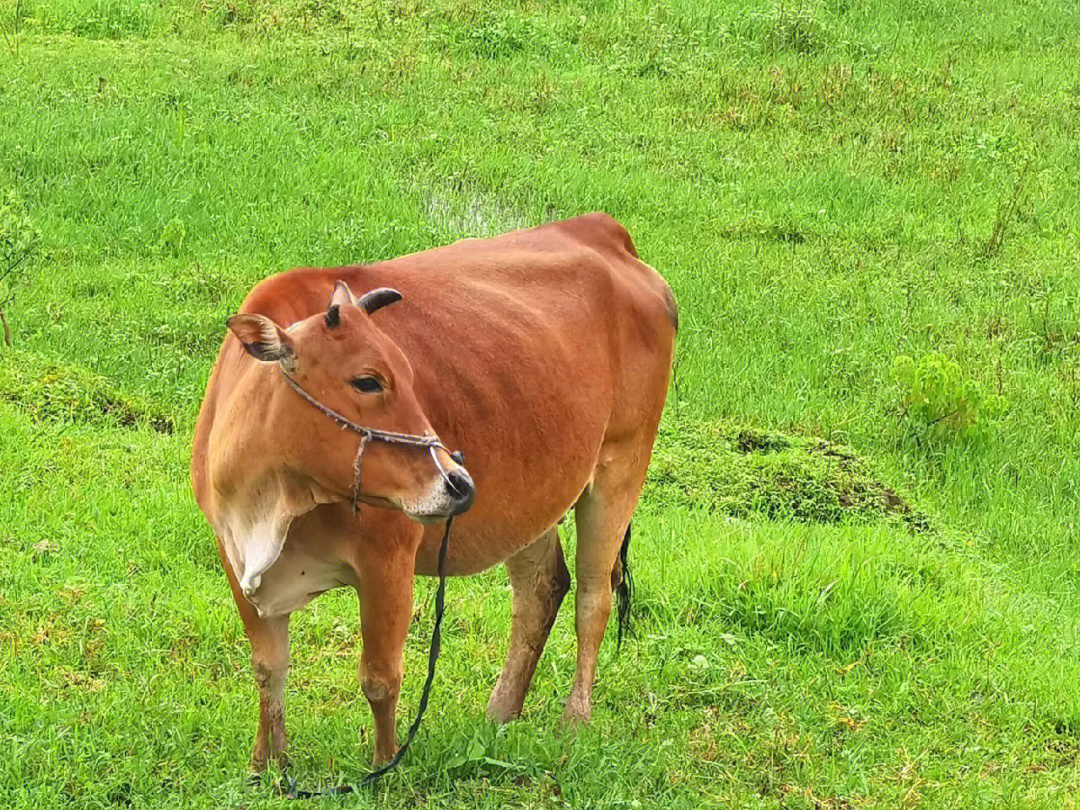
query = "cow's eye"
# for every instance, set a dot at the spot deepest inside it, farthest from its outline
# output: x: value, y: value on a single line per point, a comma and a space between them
x: 367, y: 384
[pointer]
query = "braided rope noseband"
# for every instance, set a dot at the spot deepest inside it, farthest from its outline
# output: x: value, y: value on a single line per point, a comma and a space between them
x: 368, y: 434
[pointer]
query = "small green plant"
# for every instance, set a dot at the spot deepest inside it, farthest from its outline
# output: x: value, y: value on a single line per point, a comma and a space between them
x: 936, y: 398
x: 12, y: 41
x: 18, y: 241
x: 794, y: 29
x: 171, y: 241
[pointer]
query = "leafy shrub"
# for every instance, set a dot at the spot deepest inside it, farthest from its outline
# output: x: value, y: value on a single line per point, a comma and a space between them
x: 935, y: 396
x: 18, y: 241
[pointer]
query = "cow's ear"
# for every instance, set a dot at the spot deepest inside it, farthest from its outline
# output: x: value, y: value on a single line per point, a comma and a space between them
x: 342, y: 295
x: 263, y: 339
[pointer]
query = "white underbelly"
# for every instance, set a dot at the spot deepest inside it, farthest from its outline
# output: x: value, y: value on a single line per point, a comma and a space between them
x: 295, y: 578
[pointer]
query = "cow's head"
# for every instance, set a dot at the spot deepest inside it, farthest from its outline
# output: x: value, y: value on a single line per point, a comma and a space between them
x: 286, y: 456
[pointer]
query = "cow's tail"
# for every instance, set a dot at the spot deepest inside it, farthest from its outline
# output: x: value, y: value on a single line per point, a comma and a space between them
x: 624, y: 591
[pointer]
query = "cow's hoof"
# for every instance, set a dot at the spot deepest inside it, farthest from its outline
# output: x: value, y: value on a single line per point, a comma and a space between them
x: 503, y: 708
x: 501, y: 713
x: 260, y: 759
x: 577, y: 712
x: 382, y: 757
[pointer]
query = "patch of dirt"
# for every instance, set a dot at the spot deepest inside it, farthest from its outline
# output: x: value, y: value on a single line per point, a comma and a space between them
x: 752, y: 441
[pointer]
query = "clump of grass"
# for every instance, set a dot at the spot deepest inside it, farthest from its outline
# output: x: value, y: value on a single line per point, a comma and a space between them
x: 11, y: 40
x: 171, y: 241
x: 494, y: 38
x: 744, y: 472
x: 786, y: 27
x: 795, y: 29
x: 59, y: 393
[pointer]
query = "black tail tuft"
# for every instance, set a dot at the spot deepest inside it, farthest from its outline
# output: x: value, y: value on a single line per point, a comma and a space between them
x: 624, y: 591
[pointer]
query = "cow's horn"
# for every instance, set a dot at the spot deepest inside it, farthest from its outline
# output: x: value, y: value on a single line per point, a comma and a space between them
x: 377, y: 299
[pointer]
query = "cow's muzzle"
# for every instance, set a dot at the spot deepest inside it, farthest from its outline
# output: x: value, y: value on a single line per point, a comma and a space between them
x: 455, y: 492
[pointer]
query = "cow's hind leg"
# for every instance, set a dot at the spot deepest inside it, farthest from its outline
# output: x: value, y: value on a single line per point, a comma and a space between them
x: 270, y: 661
x: 540, y: 580
x: 602, y: 515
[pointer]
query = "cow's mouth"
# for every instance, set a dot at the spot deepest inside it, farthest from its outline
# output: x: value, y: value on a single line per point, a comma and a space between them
x: 429, y: 517
x: 454, y: 498
x: 420, y: 515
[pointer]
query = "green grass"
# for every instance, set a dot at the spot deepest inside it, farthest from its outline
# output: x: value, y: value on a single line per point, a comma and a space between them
x: 837, y: 608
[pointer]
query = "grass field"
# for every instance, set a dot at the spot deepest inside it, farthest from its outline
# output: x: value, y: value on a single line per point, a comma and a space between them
x: 841, y: 603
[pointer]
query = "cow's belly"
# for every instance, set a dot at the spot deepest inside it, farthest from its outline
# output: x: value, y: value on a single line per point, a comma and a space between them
x: 476, y: 550
x: 297, y: 576
x: 523, y: 488
x: 504, y: 520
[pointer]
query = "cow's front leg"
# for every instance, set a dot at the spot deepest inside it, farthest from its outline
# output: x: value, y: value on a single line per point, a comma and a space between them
x: 270, y: 662
x: 385, y: 573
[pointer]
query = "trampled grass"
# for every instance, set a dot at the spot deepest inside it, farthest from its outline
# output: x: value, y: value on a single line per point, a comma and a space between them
x: 836, y: 607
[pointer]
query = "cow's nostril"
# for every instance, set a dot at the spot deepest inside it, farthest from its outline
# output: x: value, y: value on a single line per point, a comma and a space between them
x: 459, y: 484
x: 461, y: 487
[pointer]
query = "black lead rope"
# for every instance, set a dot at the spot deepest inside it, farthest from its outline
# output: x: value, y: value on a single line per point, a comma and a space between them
x: 294, y: 792
x: 431, y: 443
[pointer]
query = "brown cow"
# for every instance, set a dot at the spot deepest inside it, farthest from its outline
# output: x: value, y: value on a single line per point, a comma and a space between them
x: 543, y: 354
